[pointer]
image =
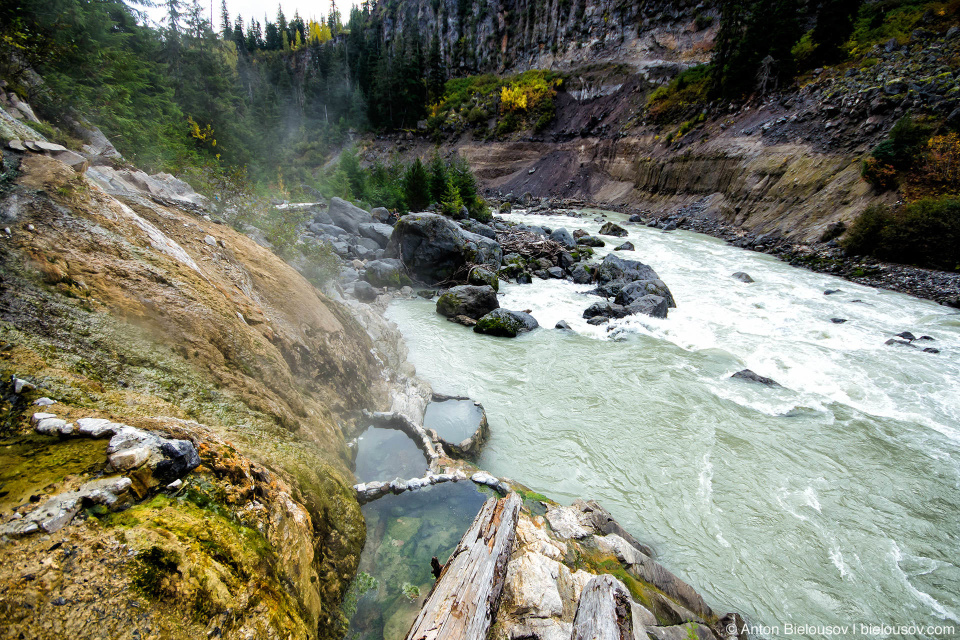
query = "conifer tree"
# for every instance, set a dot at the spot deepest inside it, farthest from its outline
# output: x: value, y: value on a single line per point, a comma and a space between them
x: 226, y: 28
x: 438, y: 177
x: 416, y: 186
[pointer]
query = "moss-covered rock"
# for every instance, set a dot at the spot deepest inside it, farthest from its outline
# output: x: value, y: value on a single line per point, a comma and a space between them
x: 505, y: 323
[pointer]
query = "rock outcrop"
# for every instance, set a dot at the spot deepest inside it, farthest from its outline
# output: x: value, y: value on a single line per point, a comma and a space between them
x: 174, y: 341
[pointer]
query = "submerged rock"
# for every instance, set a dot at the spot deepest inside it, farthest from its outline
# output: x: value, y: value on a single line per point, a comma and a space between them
x: 626, y: 246
x: 742, y: 277
x: 506, y: 323
x: 750, y: 376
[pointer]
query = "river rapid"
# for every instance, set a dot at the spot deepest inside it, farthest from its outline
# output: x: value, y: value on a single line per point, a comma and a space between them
x: 832, y: 501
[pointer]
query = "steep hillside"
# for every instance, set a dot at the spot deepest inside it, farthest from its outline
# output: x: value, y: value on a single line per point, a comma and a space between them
x: 147, y: 315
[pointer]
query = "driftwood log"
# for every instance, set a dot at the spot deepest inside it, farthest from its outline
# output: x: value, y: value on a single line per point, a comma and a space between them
x: 604, y: 612
x: 464, y: 600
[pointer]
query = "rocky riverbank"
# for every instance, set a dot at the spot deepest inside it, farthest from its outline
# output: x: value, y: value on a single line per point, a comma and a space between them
x: 823, y: 255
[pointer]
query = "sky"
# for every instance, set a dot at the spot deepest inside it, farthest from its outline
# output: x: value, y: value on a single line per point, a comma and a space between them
x: 252, y: 8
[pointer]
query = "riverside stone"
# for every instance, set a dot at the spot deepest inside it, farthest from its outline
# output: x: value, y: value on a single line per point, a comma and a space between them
x: 564, y: 237
x: 376, y: 231
x: 506, y: 323
x: 386, y: 272
x: 468, y: 300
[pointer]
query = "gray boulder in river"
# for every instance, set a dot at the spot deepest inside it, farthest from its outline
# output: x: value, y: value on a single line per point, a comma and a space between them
x: 564, y: 237
x: 633, y: 291
x: 617, y: 269
x: 612, y: 229
x: 468, y: 300
x: 506, y: 323
x: 435, y: 249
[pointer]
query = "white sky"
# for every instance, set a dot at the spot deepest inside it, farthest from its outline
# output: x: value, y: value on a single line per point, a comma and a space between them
x: 252, y: 8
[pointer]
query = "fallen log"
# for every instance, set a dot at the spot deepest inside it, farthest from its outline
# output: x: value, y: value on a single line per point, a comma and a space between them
x: 464, y: 599
x: 604, y: 612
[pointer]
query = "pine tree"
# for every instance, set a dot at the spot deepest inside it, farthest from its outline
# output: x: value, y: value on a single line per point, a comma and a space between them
x: 833, y: 27
x: 225, y: 26
x: 416, y: 186
x: 451, y: 204
x: 436, y: 73
x: 438, y: 177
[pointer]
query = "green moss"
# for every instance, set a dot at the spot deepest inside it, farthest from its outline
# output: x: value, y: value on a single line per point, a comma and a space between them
x: 30, y: 463
x: 153, y: 565
x: 503, y: 327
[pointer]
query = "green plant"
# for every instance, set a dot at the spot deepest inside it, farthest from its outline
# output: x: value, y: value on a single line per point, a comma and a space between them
x: 410, y: 591
x: 925, y: 233
x: 360, y: 586
x: 682, y: 97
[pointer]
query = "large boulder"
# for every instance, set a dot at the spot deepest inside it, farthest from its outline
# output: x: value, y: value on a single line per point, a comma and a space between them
x: 612, y: 229
x: 506, y: 323
x: 633, y: 291
x: 650, y: 305
x: 386, y: 273
x: 435, y: 249
x: 468, y: 300
x: 614, y: 268
x: 564, y: 237
x: 376, y: 231
x: 347, y: 216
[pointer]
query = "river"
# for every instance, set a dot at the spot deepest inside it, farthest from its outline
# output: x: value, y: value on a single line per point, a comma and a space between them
x: 834, y: 500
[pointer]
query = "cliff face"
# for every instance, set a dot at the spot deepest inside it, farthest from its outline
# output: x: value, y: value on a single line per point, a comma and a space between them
x: 787, y: 163
x: 515, y: 35
x: 148, y: 315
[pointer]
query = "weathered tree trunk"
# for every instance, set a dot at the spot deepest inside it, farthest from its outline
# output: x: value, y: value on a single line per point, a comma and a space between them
x: 604, y: 612
x: 464, y: 600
